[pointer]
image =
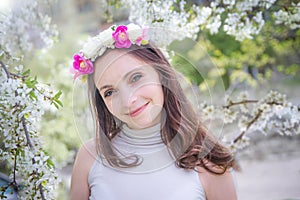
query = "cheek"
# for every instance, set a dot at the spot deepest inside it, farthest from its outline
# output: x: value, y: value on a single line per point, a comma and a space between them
x: 111, y: 106
x: 154, y: 91
x: 160, y: 95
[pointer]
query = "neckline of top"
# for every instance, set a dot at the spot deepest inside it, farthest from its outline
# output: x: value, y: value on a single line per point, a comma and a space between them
x: 141, y: 133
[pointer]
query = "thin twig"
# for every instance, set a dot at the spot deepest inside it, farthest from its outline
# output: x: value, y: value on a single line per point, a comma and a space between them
x: 17, y: 76
x: 5, y: 69
x: 26, y: 133
x: 15, y: 168
x: 239, y: 102
x: 42, y: 191
x: 248, y: 126
x: 10, y: 74
x: 249, y: 101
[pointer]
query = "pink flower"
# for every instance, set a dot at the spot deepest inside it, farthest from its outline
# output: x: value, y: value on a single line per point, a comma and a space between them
x: 81, y: 65
x: 121, y: 37
x: 144, y: 39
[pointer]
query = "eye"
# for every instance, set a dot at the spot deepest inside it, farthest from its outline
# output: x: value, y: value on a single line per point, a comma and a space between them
x: 108, y: 93
x: 136, y: 77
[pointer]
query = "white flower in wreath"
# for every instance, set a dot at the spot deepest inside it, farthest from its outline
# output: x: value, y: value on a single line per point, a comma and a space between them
x: 134, y: 32
x: 106, y: 38
x: 91, y: 48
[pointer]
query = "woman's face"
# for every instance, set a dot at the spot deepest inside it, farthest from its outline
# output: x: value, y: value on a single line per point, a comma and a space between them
x: 130, y: 88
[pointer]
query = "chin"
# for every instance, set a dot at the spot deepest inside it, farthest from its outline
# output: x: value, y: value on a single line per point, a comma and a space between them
x: 141, y: 124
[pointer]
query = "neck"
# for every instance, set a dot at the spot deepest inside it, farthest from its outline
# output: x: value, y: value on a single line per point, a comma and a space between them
x: 142, y: 133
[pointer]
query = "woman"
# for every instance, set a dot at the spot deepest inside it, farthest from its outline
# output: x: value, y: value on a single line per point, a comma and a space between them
x: 149, y: 143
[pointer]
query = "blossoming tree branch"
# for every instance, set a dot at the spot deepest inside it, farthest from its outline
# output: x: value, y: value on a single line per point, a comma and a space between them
x: 23, y: 101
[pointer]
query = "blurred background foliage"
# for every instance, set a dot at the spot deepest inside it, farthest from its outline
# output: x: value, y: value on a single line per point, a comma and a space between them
x: 272, y: 56
x: 271, y: 53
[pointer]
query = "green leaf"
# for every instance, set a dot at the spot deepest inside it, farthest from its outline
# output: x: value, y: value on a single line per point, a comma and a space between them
x: 58, y: 94
x: 31, y: 83
x: 26, y: 73
x: 55, y: 104
x: 32, y: 95
x: 50, y: 163
x: 44, y: 183
x: 58, y: 102
x: 26, y: 115
x: 55, y: 100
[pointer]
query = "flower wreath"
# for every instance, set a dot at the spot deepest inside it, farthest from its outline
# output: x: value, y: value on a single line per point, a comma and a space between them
x: 114, y: 37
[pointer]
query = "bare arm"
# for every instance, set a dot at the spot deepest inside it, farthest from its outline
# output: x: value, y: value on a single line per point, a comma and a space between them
x: 218, y: 187
x: 79, y: 182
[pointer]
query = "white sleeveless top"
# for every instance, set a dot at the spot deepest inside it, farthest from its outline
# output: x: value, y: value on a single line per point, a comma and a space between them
x: 156, y: 178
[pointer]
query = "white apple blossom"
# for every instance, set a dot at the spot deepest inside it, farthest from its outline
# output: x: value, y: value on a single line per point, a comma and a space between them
x: 289, y: 17
x: 243, y: 142
x: 242, y: 29
x: 208, y: 112
x: 214, y: 24
x: 229, y: 3
x: 267, y: 3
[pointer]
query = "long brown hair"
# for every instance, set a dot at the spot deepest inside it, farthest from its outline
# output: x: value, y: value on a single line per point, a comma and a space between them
x: 185, y: 136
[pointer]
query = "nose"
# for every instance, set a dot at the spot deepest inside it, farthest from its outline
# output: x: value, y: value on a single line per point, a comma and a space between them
x: 132, y: 99
x: 128, y: 98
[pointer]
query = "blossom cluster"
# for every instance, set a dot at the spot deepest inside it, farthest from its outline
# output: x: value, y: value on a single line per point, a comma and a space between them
x: 290, y: 17
x: 272, y: 113
x: 31, y: 29
x: 23, y: 101
x: 175, y: 25
x: 182, y: 22
x: 21, y: 108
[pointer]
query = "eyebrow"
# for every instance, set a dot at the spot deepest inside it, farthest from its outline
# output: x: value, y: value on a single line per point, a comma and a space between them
x: 124, y: 77
x: 105, y: 86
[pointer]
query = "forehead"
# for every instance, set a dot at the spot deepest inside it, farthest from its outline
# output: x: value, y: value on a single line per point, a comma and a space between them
x: 114, y: 65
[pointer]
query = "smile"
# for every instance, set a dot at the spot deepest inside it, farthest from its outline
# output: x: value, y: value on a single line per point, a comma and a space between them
x: 138, y: 111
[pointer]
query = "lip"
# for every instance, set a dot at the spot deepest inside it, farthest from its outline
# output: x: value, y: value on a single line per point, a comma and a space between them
x: 138, y: 110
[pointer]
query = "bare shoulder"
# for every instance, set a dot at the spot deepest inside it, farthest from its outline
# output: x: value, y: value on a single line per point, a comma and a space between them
x: 88, y: 149
x: 84, y: 160
x: 86, y: 156
x: 217, y: 187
